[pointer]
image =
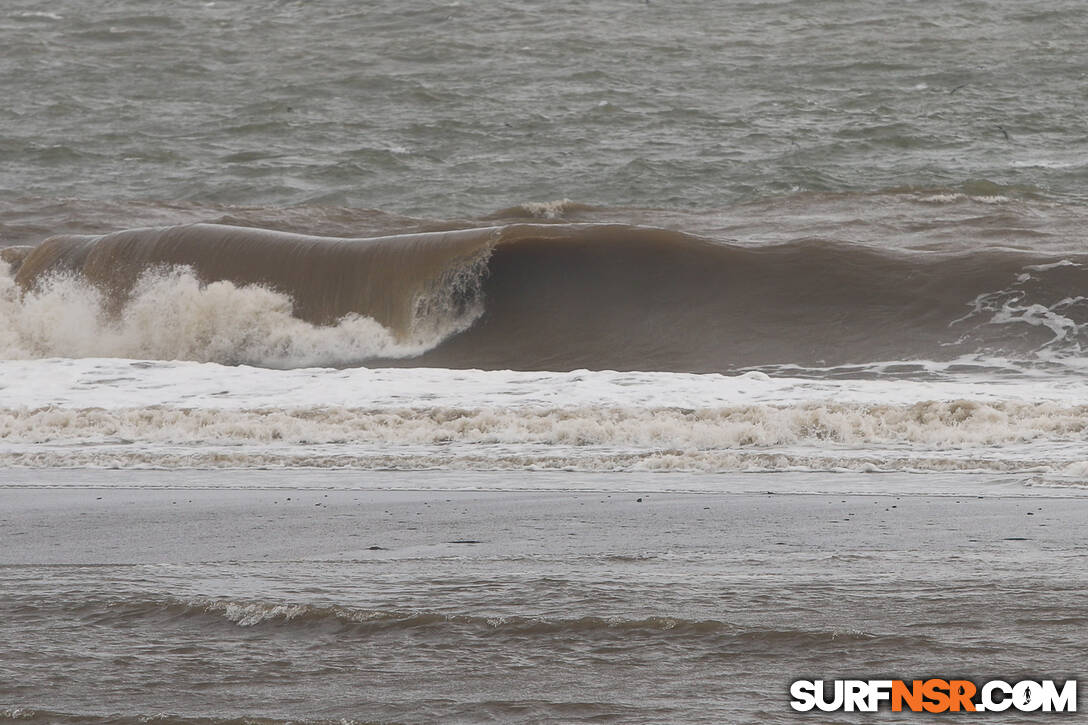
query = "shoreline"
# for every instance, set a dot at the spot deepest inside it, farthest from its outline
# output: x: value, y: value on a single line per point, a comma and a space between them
x: 442, y: 605
x: 799, y: 483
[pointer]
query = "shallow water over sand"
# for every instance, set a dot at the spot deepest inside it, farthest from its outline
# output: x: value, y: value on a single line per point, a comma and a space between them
x: 534, y: 605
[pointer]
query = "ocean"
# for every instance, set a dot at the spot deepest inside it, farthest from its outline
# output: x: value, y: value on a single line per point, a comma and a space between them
x: 612, y: 361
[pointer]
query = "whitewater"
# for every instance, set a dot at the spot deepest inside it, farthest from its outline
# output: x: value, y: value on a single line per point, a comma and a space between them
x: 614, y: 362
x: 226, y: 347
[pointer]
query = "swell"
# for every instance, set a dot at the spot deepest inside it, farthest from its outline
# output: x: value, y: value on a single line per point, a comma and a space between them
x: 608, y: 296
x: 652, y: 300
x: 294, y: 616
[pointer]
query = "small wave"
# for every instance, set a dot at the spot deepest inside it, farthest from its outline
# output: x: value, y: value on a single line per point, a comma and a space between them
x: 560, y: 209
x: 31, y: 15
x: 250, y: 614
x: 297, y: 615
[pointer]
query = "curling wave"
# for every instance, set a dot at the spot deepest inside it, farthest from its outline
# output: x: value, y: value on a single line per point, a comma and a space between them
x: 555, y: 296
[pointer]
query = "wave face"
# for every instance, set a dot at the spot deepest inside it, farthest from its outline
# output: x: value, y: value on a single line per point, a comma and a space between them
x: 557, y: 296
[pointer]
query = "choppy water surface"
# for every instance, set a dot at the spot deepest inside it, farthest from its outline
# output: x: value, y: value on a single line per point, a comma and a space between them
x: 762, y: 325
x: 450, y: 108
x: 324, y: 603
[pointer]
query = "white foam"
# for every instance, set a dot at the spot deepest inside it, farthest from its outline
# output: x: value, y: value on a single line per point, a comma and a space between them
x: 172, y: 315
x: 1052, y: 265
x: 1038, y: 315
x: 39, y: 15
x: 185, y: 415
x: 71, y: 410
x: 551, y: 209
x: 1012, y: 306
x: 550, y: 459
x: 951, y: 197
x: 123, y: 383
x: 932, y: 426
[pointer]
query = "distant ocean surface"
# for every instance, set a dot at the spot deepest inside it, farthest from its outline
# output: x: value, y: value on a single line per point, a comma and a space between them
x: 635, y: 246
x: 453, y: 109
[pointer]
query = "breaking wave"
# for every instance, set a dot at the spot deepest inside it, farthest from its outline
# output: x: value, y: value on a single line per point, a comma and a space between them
x: 172, y: 315
x: 556, y: 296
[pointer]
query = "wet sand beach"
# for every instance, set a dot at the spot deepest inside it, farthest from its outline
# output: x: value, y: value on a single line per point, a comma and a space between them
x: 433, y: 361
x: 410, y: 605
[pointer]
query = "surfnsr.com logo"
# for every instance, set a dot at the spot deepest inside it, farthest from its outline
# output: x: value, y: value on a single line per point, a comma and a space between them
x: 933, y: 695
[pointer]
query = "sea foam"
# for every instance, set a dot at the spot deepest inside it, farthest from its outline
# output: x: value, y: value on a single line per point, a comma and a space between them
x: 170, y: 315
